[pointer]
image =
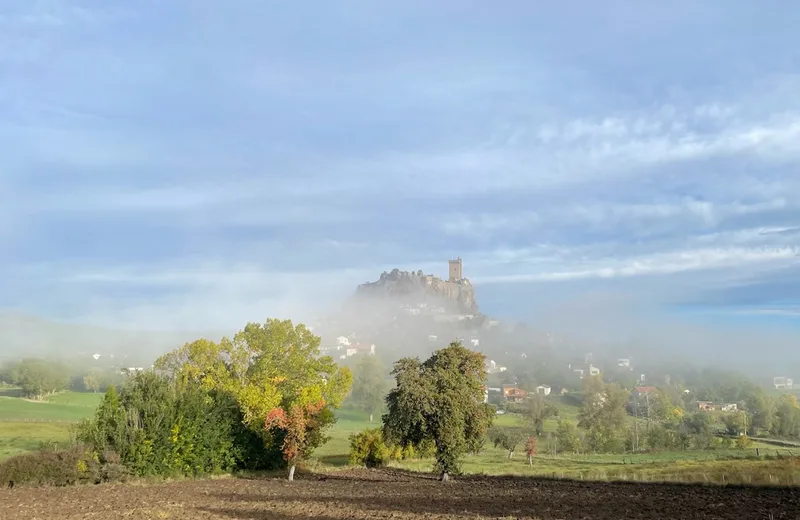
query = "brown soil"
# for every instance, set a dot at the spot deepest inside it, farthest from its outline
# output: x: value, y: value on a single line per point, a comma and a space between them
x: 398, y: 495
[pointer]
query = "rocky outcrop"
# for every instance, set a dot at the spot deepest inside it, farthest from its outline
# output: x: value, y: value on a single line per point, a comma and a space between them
x: 417, y: 287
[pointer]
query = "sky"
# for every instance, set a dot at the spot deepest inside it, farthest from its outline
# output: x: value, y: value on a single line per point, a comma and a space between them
x: 186, y: 164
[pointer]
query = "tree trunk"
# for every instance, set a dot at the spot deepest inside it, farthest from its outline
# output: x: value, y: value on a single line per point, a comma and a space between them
x: 510, y: 454
x: 445, y: 477
x: 370, y: 417
x: 530, y: 460
x: 291, y: 473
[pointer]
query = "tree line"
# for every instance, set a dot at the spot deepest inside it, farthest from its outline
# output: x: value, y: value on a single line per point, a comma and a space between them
x: 38, y: 378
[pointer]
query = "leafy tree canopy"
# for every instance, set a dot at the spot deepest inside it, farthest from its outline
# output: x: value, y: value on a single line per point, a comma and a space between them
x: 439, y: 400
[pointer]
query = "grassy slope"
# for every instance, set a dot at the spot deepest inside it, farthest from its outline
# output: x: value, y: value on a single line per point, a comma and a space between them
x: 721, y: 466
x: 24, y: 424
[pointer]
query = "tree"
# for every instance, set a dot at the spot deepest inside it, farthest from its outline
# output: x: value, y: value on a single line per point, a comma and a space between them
x: 369, y: 386
x: 530, y: 449
x: 568, y: 440
x: 602, y: 414
x: 294, y: 425
x: 762, y: 408
x: 439, y: 401
x: 93, y: 380
x: 38, y: 377
x: 735, y: 423
x: 283, y: 387
x: 663, y: 409
x: 507, y: 438
x: 787, y: 417
x: 537, y: 411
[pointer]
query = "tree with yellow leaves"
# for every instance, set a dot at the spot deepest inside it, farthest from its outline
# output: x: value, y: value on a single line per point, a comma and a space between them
x: 282, y: 385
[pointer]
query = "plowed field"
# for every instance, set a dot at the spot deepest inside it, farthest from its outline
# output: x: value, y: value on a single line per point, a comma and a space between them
x: 398, y: 495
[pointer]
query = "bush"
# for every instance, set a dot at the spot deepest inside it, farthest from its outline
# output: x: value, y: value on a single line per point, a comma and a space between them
x: 76, y: 465
x: 369, y: 449
x: 743, y: 442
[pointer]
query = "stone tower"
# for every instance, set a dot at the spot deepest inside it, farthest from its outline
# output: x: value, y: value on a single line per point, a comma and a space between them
x: 455, y: 270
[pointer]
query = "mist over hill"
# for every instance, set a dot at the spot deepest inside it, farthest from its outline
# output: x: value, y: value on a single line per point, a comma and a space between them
x: 410, y: 313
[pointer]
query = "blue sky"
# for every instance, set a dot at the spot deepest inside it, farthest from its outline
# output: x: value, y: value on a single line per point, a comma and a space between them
x: 191, y: 164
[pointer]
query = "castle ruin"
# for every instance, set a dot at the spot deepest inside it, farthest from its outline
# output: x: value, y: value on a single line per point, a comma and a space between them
x: 456, y: 272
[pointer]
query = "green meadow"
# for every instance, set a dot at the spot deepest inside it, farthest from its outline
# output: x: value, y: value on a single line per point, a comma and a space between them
x: 25, y: 424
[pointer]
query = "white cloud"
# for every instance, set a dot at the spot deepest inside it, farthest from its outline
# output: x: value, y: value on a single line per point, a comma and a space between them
x: 662, y: 263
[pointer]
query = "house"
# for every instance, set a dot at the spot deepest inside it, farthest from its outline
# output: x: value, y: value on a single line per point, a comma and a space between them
x: 360, y: 348
x: 96, y: 356
x: 343, y: 341
x: 640, y: 391
x: 475, y: 342
x: 432, y: 337
x: 782, y: 383
x: 492, y: 367
x: 514, y: 394
x: 624, y: 363
x: 708, y: 406
x: 594, y: 371
x: 543, y: 390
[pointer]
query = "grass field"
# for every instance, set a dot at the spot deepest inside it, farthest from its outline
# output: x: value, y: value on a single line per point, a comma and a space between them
x: 25, y: 424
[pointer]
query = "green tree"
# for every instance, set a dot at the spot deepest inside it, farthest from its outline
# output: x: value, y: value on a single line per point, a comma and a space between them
x: 440, y: 401
x: 369, y: 386
x: 662, y: 408
x: 762, y: 409
x: 787, y: 417
x: 568, y: 439
x: 94, y: 380
x: 537, y: 410
x: 602, y: 414
x: 735, y: 423
x: 39, y: 377
x: 696, y: 427
x: 507, y: 438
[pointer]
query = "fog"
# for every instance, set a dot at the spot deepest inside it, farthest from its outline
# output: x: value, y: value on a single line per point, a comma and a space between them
x: 548, y: 326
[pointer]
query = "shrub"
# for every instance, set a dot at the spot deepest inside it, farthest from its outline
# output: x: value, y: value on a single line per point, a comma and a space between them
x: 743, y: 442
x: 76, y: 465
x: 369, y: 449
x: 153, y: 428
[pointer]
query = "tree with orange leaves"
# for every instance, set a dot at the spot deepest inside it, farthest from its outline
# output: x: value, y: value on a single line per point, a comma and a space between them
x: 530, y: 449
x: 293, y: 427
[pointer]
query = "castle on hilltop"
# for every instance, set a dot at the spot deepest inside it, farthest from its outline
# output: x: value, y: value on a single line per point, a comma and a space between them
x: 455, y: 287
x: 456, y: 272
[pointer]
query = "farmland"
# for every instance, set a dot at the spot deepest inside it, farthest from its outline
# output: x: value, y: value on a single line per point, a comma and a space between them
x: 367, y: 494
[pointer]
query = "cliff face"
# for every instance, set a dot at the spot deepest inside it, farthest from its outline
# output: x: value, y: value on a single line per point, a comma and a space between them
x: 418, y: 286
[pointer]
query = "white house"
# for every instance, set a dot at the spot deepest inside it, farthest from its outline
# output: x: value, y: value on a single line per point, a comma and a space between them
x: 343, y: 340
x: 543, y: 389
x: 475, y: 342
x: 359, y: 348
x: 593, y: 370
x: 432, y: 337
x: 624, y: 362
